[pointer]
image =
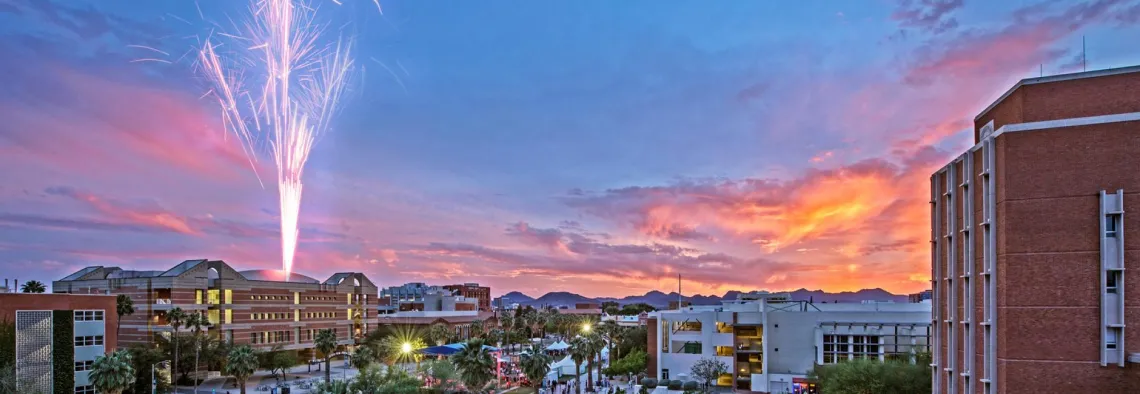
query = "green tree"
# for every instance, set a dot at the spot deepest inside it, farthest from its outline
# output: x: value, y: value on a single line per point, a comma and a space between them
x: 873, y: 376
x: 612, y: 333
x: 439, y: 334
x: 373, y: 380
x: 113, y: 373
x: 142, y: 358
x: 240, y: 364
x: 536, y: 364
x: 633, y: 338
x: 326, y: 344
x: 475, y: 364
x: 175, y: 318
x: 475, y: 330
x: 362, y: 357
x: 124, y: 306
x: 633, y: 363
x: 708, y: 370
x: 444, y: 377
x: 636, y: 309
x: 581, y: 353
x: 33, y: 286
x: 195, y: 321
x: 278, y: 361
x: 594, y: 345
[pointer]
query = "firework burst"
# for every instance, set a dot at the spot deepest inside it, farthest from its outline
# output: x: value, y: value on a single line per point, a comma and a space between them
x: 278, y: 86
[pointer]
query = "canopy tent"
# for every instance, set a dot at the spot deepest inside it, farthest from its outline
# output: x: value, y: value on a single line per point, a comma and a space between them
x: 558, y: 346
x: 566, y: 367
x: 447, y: 350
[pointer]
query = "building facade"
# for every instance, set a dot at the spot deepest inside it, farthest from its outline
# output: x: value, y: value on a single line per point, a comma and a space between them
x: 419, y: 297
x: 472, y: 290
x: 53, y: 339
x: 1028, y: 243
x: 771, y: 343
x: 257, y: 307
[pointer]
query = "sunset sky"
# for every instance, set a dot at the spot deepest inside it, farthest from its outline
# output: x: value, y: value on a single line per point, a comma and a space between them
x: 598, y: 147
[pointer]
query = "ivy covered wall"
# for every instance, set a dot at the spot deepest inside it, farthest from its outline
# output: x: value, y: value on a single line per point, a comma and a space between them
x: 63, y: 351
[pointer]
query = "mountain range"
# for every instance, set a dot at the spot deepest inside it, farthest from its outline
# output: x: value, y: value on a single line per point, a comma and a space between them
x: 661, y: 300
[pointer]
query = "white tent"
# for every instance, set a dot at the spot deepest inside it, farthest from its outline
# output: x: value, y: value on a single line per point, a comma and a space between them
x: 565, y: 367
x: 560, y: 345
x: 605, y: 353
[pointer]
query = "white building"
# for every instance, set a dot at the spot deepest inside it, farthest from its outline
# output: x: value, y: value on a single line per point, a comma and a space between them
x: 770, y: 343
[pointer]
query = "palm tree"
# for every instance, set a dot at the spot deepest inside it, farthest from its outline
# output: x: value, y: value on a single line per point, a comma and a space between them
x: 241, y: 364
x: 175, y: 318
x: 363, y: 357
x: 475, y: 329
x: 124, y: 306
x: 195, y: 321
x: 113, y: 373
x: 326, y: 344
x: 33, y: 286
x: 594, y: 345
x: 611, y: 332
x: 439, y: 334
x: 580, y: 353
x: 476, y: 365
x: 536, y: 365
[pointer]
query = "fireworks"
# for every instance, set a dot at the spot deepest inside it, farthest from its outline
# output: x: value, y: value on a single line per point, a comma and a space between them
x: 278, y: 85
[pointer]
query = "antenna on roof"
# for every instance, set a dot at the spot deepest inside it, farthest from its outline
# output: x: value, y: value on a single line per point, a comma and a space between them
x: 1042, y: 66
x: 1084, y: 56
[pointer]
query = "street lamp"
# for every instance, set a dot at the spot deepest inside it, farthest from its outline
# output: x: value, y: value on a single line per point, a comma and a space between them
x: 406, y: 348
x: 586, y: 327
x: 153, y: 381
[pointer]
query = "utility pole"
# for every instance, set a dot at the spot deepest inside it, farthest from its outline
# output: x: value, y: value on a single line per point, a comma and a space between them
x: 679, y: 297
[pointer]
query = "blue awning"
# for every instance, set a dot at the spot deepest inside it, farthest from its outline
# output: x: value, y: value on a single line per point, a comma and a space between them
x: 447, y: 350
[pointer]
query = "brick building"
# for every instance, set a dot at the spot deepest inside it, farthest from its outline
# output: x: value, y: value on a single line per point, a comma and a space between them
x: 1028, y: 242
x: 53, y: 339
x: 256, y: 307
x: 473, y: 290
x: 419, y: 297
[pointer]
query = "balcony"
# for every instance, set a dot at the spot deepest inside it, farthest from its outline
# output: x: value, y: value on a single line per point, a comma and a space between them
x: 749, y: 345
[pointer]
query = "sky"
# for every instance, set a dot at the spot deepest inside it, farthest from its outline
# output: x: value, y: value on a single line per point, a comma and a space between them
x: 597, y: 147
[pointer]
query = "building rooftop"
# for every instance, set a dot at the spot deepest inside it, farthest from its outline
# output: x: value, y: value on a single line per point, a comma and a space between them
x: 276, y: 276
x: 1057, y: 78
x: 264, y: 275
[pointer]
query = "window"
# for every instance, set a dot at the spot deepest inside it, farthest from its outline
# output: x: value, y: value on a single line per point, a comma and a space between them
x: 89, y: 389
x: 1110, y: 282
x: 1110, y: 339
x: 88, y: 315
x: 81, y: 366
x: 664, y: 374
x: 96, y: 340
x: 1110, y: 226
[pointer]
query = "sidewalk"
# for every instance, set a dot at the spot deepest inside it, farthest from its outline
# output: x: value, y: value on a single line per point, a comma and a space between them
x: 263, y: 378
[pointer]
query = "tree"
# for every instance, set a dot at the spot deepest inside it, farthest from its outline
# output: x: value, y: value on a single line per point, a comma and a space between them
x: 475, y: 330
x: 633, y: 338
x: 536, y: 365
x: 612, y: 332
x: 278, y: 361
x: 240, y: 364
x: 175, y: 318
x: 195, y: 321
x: 443, y: 378
x: 373, y: 380
x: 326, y: 344
x: 594, y: 345
x: 636, y: 309
x: 142, y: 358
x: 633, y: 363
x: 475, y: 364
x: 33, y: 286
x: 610, y: 307
x: 873, y: 376
x: 124, y: 306
x: 363, y: 357
x: 581, y: 353
x: 439, y: 334
x: 113, y: 373
x: 708, y: 370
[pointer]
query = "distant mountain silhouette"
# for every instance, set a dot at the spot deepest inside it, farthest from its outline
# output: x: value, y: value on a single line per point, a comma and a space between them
x: 661, y: 300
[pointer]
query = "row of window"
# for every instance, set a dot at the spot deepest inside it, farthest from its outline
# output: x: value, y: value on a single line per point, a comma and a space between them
x: 90, y: 340
x: 269, y: 297
x: 268, y: 316
x: 89, y: 315
x: 88, y: 389
x: 81, y: 366
x: 838, y: 348
x: 320, y: 315
x: 270, y: 337
x: 320, y: 298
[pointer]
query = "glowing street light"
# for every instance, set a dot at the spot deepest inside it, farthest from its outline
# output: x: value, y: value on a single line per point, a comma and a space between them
x: 586, y: 327
x: 406, y: 348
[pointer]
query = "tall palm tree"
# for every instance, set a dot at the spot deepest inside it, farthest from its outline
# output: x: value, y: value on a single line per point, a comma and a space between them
x: 475, y: 330
x: 240, y: 364
x: 124, y: 306
x: 195, y: 322
x: 611, y: 332
x: 594, y: 346
x: 363, y: 357
x: 175, y: 318
x: 326, y: 344
x: 33, y: 286
x: 113, y: 373
x: 580, y: 353
x: 536, y: 365
x: 476, y: 365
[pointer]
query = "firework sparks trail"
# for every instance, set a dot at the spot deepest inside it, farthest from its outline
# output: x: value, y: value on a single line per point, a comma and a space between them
x: 280, y: 87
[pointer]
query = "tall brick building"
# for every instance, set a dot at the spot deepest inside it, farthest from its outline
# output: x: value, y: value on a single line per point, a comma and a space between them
x: 1028, y: 242
x: 54, y: 339
x: 256, y: 307
x: 473, y: 290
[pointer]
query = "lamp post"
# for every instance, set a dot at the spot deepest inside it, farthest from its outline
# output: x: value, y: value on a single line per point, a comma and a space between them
x: 153, y: 381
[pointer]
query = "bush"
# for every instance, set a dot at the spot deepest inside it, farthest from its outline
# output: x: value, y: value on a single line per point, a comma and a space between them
x: 690, y: 385
x: 675, y: 384
x: 649, y: 382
